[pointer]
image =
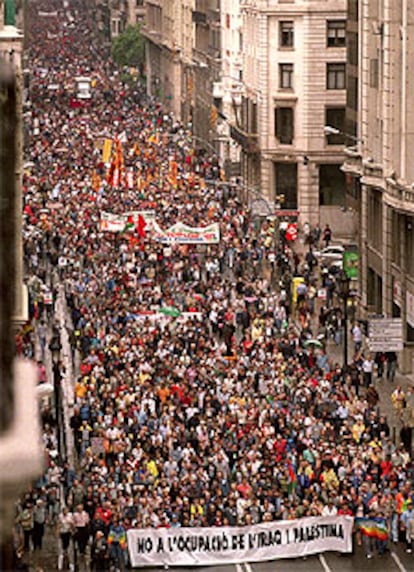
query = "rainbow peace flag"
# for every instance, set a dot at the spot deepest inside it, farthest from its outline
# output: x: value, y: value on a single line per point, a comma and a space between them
x: 372, y: 527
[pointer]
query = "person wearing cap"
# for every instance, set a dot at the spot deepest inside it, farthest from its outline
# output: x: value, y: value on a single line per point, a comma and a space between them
x: 99, y: 553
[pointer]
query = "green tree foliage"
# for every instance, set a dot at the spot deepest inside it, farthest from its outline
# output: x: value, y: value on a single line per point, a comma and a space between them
x: 128, y: 49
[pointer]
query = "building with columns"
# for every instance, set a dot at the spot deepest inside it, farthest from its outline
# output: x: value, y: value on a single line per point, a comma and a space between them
x: 379, y: 166
x: 294, y: 71
x: 11, y: 48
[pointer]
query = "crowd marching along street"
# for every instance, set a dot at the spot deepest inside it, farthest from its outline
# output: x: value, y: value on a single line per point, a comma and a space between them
x: 198, y: 400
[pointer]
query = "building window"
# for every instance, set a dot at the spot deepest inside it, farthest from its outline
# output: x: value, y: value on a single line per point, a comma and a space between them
x: 352, y: 48
x: 335, y: 76
x: 335, y: 117
x: 374, y: 291
x: 286, y: 183
x: 397, y: 226
x: 335, y: 32
x: 286, y: 34
x: 374, y: 230
x: 284, y: 124
x: 286, y: 76
x: 373, y: 72
x: 332, y: 186
x: 115, y: 27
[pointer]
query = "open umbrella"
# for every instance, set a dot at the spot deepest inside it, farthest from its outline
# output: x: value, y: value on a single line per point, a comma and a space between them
x: 170, y: 311
x: 313, y: 343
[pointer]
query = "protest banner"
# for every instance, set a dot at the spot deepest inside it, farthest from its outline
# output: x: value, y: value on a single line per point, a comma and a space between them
x: 181, y: 233
x: 232, y: 545
x: 116, y: 222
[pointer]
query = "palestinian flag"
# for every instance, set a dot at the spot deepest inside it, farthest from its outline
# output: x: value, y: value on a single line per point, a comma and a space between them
x: 130, y: 224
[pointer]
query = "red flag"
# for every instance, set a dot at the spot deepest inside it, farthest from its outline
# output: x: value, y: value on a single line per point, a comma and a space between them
x: 141, y: 224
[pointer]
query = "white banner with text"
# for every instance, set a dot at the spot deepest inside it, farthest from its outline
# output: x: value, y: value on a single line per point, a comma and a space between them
x: 232, y: 545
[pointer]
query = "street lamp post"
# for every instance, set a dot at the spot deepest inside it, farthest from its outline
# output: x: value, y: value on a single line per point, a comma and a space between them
x: 344, y: 294
x: 55, y: 348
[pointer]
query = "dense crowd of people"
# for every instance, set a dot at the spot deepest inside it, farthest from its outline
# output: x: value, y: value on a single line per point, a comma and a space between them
x: 199, y: 400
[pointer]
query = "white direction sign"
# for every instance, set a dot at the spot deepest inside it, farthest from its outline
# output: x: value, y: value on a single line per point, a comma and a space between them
x: 385, y: 335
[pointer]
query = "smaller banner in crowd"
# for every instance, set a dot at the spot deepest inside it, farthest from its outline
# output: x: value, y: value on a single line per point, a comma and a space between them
x: 232, y: 545
x: 166, y: 317
x: 117, y: 222
x: 106, y: 150
x: 180, y: 233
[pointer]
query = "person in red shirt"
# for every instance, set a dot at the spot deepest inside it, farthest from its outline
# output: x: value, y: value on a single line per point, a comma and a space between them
x: 345, y: 510
x: 386, y: 467
x: 244, y: 488
x: 103, y: 515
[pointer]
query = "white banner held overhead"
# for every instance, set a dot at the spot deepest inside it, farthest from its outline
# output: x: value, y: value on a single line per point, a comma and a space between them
x: 116, y: 222
x: 232, y: 545
x: 181, y: 233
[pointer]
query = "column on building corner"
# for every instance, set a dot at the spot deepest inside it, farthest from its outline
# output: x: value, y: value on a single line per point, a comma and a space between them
x: 386, y: 259
x: 363, y: 253
x: 11, y: 46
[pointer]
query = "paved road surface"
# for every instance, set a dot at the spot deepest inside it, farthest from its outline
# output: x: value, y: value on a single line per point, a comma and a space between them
x: 395, y: 561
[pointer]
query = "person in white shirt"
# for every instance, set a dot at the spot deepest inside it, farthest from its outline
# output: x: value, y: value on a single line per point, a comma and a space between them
x: 81, y: 525
x: 357, y: 337
x: 64, y: 531
x: 329, y: 509
x: 367, y: 368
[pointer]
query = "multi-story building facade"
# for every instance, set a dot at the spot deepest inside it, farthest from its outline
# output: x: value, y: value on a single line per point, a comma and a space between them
x: 169, y: 31
x: 227, y: 91
x: 294, y: 75
x: 135, y: 12
x: 113, y: 16
x: 379, y: 166
x: 194, y: 65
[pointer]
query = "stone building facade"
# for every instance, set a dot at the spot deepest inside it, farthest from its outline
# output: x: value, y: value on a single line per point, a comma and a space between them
x: 379, y: 167
x: 294, y: 73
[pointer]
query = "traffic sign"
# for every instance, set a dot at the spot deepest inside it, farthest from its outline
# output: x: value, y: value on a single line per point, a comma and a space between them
x: 385, y: 335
